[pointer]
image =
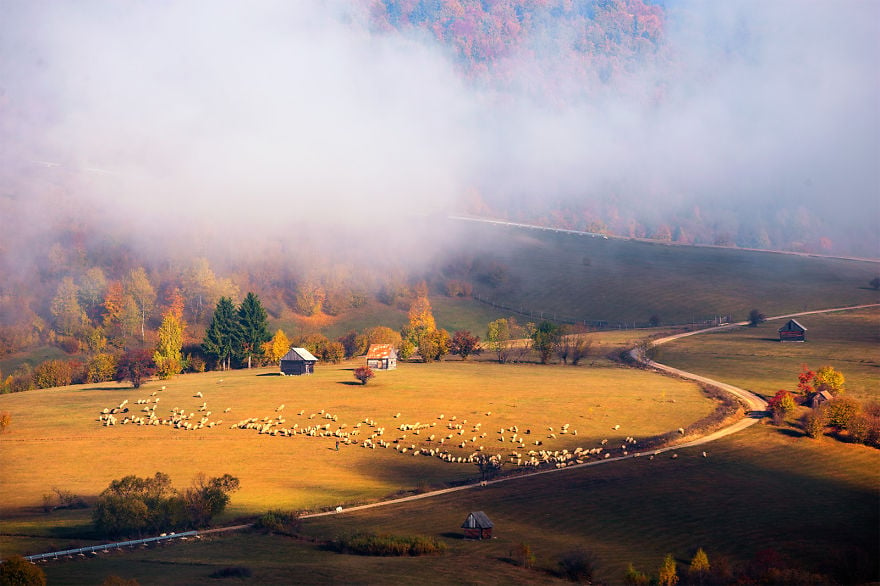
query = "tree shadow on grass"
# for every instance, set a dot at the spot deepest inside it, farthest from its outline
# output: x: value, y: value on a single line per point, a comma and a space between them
x: 270, y: 374
x: 790, y: 432
x: 452, y: 535
x: 108, y: 388
x: 350, y: 383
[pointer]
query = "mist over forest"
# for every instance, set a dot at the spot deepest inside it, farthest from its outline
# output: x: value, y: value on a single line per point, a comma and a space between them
x: 312, y: 146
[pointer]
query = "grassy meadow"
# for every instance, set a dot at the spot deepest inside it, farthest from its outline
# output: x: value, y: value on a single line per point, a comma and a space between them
x: 757, y: 490
x: 618, y: 280
x: 754, y: 359
x: 55, y: 439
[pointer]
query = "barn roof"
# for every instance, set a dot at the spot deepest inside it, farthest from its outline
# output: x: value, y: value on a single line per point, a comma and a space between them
x: 793, y: 325
x: 380, y: 351
x: 477, y: 520
x: 298, y: 355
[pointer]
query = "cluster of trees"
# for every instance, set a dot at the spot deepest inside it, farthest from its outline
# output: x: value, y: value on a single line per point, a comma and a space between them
x: 591, y: 42
x: 503, y: 337
x: 848, y: 418
x: 132, y: 506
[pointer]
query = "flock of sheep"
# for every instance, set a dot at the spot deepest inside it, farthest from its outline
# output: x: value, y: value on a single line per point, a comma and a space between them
x: 445, y: 437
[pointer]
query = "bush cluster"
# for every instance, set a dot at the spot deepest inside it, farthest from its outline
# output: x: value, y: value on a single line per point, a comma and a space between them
x: 281, y: 522
x: 849, y: 419
x: 388, y: 545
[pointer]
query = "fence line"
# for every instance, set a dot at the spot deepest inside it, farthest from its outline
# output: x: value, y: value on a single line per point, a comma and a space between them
x: 594, y: 324
x: 107, y: 546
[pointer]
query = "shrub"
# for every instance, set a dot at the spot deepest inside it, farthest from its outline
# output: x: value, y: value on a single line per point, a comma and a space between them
x: 282, y: 522
x: 101, y: 368
x: 577, y: 565
x: 53, y: 373
x: 233, y: 572
x: 5, y: 420
x: 523, y: 555
x: 633, y: 577
x: 815, y: 421
x: 17, y: 571
x: 195, y: 363
x: 668, y: 573
x: 363, y: 374
x: 388, y: 545
x: 69, y: 500
x: 841, y: 411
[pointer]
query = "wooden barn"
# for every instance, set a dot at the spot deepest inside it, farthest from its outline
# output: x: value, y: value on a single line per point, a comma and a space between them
x: 298, y: 361
x: 382, y: 357
x: 793, y: 332
x: 477, y: 526
x: 820, y: 398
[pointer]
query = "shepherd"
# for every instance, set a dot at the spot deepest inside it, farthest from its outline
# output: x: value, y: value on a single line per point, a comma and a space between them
x: 337, y: 445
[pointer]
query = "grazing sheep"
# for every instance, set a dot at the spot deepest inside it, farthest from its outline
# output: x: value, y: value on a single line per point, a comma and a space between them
x: 616, y: 427
x: 705, y: 455
x: 338, y: 509
x: 681, y: 430
x: 280, y: 408
x: 198, y: 395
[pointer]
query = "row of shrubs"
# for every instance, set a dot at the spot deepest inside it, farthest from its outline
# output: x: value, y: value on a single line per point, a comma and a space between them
x: 848, y: 420
x: 388, y: 545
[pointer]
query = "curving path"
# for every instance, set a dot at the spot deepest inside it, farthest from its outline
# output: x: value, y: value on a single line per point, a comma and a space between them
x: 756, y: 404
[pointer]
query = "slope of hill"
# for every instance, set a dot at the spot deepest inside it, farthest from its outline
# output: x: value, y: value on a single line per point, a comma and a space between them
x: 579, y: 278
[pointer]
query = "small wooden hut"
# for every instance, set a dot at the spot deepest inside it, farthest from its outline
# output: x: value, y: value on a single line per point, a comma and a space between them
x: 477, y: 526
x: 793, y: 332
x: 382, y: 357
x: 298, y: 361
x: 820, y: 398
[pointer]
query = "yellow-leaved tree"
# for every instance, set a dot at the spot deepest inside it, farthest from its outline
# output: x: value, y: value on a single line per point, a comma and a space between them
x: 168, y: 355
x: 276, y: 348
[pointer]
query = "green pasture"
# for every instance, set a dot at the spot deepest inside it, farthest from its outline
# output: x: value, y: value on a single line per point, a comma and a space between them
x: 754, y: 491
x: 55, y: 439
x: 618, y: 280
x: 754, y: 359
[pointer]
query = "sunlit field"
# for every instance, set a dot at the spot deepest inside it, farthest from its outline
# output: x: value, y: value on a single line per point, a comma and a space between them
x: 753, y: 358
x: 751, y: 493
x: 56, y: 440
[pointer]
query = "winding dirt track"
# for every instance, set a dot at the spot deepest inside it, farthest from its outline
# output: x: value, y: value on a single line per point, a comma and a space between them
x: 756, y: 404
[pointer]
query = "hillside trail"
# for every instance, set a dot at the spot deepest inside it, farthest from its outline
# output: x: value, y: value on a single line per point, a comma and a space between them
x: 757, y: 407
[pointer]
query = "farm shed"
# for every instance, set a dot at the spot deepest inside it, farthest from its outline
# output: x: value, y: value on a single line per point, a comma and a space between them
x: 792, y: 332
x: 477, y: 526
x: 819, y: 398
x: 298, y: 361
x: 382, y: 357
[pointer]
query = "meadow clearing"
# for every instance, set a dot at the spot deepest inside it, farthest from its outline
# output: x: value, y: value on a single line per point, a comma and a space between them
x: 754, y: 359
x: 765, y: 492
x: 756, y: 491
x: 56, y: 440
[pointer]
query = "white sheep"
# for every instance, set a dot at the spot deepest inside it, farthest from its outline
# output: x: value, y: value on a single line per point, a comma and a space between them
x: 198, y: 394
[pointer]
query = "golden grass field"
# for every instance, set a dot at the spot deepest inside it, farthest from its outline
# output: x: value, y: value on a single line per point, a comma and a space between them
x: 56, y: 440
x: 754, y: 359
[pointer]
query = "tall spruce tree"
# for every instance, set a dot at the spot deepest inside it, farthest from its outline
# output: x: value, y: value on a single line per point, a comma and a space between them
x: 254, y: 326
x: 223, y: 337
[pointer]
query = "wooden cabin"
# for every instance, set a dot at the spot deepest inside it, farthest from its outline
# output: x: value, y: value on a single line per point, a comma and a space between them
x: 298, y: 361
x: 382, y: 357
x: 793, y: 332
x: 477, y: 526
x: 820, y: 398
